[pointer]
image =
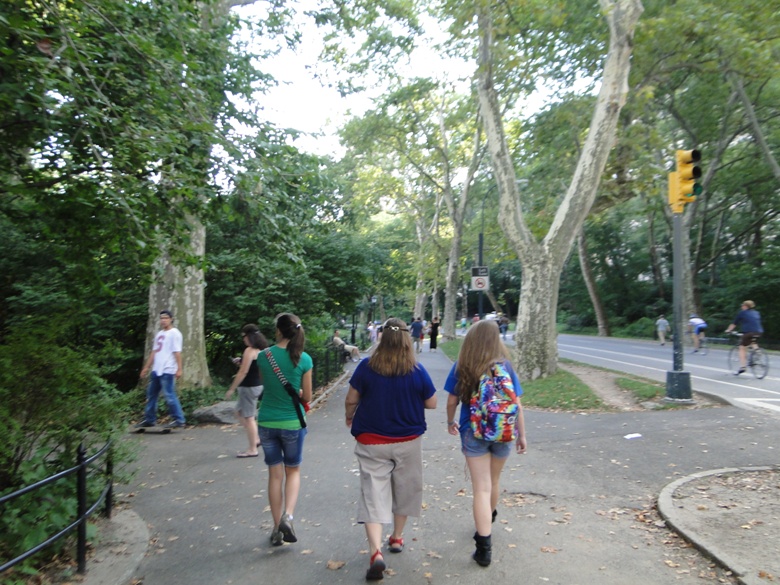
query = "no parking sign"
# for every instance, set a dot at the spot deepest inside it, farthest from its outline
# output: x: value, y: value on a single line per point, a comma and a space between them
x: 479, y: 278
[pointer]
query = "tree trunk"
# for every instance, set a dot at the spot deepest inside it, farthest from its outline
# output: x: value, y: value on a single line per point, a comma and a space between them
x: 590, y: 283
x: 181, y: 290
x: 536, y: 349
x: 448, y: 326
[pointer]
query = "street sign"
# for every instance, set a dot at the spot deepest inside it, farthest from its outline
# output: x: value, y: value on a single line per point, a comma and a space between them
x: 480, y: 283
x: 479, y: 271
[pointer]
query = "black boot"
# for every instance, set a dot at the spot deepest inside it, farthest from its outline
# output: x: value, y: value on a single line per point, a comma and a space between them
x: 483, y: 553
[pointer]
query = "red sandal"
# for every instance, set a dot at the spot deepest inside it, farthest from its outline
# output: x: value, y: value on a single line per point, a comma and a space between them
x: 377, y: 568
x: 395, y: 545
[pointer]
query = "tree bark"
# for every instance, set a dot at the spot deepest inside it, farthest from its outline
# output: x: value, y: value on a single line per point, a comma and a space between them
x: 536, y: 351
x: 181, y: 290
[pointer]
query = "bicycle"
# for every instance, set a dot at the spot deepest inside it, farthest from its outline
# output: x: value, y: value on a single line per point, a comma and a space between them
x: 757, y: 359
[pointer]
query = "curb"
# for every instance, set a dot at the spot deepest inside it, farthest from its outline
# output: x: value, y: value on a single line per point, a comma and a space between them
x: 668, y: 511
x: 123, y: 541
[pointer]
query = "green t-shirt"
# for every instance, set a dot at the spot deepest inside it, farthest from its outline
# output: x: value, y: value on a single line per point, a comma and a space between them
x: 277, y: 410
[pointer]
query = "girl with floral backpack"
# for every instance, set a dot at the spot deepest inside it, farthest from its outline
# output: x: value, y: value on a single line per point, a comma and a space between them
x: 491, y: 419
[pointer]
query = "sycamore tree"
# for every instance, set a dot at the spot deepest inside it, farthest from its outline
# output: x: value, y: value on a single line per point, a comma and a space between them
x: 542, y: 259
x: 427, y: 134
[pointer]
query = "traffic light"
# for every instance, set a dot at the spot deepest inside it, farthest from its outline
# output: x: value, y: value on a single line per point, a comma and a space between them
x: 683, y: 185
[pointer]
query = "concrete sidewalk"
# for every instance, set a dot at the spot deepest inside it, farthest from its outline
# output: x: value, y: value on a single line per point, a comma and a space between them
x: 578, y: 508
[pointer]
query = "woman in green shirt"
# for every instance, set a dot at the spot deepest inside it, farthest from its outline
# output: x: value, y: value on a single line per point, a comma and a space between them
x: 281, y: 421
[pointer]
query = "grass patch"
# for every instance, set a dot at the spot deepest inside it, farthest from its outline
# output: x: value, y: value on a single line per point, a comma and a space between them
x: 561, y: 391
x: 642, y: 390
x: 451, y: 348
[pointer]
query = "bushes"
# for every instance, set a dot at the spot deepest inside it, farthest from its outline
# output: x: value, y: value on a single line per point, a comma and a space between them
x: 52, y: 399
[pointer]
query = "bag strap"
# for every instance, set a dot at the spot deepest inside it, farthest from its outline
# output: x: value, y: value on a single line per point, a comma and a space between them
x: 297, y: 402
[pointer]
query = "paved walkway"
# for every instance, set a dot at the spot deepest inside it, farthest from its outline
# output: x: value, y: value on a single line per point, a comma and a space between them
x: 578, y: 508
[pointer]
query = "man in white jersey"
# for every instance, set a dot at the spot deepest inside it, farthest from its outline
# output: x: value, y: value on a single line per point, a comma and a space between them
x: 165, y: 364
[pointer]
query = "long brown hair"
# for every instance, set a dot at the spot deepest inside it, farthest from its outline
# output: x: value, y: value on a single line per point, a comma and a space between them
x: 256, y: 339
x: 290, y: 327
x: 394, y: 356
x: 481, y: 348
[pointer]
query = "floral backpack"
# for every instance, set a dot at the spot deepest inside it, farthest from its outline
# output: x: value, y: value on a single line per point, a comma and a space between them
x: 493, y: 406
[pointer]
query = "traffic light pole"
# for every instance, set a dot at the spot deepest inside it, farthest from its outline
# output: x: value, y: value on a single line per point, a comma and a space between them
x: 678, y: 383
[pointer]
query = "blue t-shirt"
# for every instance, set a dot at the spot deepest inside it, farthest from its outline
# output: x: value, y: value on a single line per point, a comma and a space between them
x: 749, y: 321
x: 416, y: 328
x: 452, y: 382
x: 391, y: 406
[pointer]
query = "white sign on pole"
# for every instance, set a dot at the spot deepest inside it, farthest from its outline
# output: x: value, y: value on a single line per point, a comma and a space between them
x: 480, y: 283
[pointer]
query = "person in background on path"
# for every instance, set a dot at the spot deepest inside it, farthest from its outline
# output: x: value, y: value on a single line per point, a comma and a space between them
x: 165, y: 364
x: 434, y: 334
x: 354, y: 351
x: 372, y: 333
x: 417, y: 334
x: 481, y: 349
x: 463, y: 324
x: 281, y: 421
x: 475, y: 318
x: 749, y: 322
x: 250, y: 386
x: 661, y: 327
x: 696, y: 325
x: 503, y: 325
x: 385, y: 411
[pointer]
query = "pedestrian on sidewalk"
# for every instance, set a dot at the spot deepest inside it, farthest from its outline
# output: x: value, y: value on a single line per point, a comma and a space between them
x: 434, y: 334
x: 416, y: 328
x: 165, y: 365
x: 385, y: 411
x: 250, y: 387
x: 483, y: 356
x: 287, y: 381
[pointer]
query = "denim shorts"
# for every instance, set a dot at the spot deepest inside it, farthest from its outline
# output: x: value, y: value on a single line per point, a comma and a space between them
x: 473, y: 447
x: 282, y: 446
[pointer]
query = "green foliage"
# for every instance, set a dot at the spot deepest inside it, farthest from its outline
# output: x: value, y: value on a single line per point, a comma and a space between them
x: 52, y: 398
x: 642, y: 328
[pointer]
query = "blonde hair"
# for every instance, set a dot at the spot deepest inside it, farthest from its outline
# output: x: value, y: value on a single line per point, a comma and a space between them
x: 394, y: 356
x: 749, y: 304
x: 481, y: 348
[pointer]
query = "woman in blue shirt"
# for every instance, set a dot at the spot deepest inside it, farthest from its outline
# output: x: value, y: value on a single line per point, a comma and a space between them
x: 385, y: 411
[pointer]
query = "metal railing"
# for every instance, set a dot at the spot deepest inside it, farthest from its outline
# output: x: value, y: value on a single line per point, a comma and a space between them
x: 328, y: 364
x: 82, y: 511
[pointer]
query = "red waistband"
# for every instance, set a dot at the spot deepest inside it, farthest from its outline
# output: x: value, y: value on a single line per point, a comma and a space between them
x: 374, y: 439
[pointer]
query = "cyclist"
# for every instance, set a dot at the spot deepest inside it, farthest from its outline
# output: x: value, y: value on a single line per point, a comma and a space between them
x: 696, y: 325
x: 749, y: 322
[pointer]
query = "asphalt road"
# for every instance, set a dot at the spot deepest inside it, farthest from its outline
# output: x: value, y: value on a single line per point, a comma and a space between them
x: 709, y: 373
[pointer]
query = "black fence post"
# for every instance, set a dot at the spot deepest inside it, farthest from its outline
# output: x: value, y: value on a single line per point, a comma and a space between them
x: 81, y: 496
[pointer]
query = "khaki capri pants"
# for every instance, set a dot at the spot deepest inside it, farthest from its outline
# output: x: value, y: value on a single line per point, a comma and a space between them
x: 391, y: 481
